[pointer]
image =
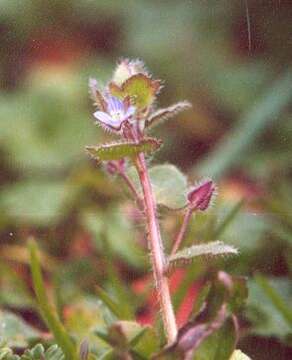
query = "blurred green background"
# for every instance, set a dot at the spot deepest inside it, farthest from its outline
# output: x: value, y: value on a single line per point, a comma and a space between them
x: 232, y: 60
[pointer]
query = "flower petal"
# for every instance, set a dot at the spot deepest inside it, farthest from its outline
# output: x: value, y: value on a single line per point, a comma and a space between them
x: 114, y: 104
x: 106, y: 119
x: 131, y: 110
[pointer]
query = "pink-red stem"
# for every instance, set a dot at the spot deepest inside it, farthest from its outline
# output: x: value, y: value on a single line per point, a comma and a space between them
x: 182, y: 231
x: 158, y: 257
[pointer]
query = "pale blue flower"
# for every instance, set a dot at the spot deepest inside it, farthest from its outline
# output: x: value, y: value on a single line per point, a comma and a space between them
x: 117, y: 112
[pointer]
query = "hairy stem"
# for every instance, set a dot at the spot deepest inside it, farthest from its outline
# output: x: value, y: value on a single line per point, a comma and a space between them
x: 180, y: 236
x: 158, y: 257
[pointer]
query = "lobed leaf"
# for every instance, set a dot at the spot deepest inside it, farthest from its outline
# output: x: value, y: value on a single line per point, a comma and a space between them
x: 169, y: 186
x: 161, y: 115
x: 36, y: 353
x: 209, y: 249
x: 140, y: 87
x: 119, y: 150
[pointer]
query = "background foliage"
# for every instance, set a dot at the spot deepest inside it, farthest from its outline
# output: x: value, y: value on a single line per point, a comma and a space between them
x: 232, y: 60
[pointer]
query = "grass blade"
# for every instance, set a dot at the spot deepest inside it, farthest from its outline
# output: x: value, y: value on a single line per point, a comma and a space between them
x: 230, y: 216
x: 266, y: 111
x: 47, y: 312
x: 113, y: 306
x: 274, y: 297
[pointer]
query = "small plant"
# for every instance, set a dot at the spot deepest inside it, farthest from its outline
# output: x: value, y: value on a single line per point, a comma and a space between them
x: 126, y: 107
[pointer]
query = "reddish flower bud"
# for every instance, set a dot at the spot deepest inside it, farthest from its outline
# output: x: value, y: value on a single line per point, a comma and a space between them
x: 201, y: 195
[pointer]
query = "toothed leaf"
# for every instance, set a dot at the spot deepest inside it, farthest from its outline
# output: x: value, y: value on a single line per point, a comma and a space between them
x: 162, y: 115
x: 119, y: 150
x: 210, y: 249
x: 140, y: 87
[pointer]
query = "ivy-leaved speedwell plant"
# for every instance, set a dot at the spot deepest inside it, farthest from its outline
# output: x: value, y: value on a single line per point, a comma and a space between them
x: 126, y: 107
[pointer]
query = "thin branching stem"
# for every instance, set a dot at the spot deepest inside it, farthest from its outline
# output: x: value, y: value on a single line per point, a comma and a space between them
x: 157, y: 252
x: 133, y: 190
x: 181, y: 234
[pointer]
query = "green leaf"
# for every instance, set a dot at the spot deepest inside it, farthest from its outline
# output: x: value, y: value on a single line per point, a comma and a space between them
x: 161, y: 115
x: 168, y: 183
x: 141, y: 89
x: 130, y: 336
x: 82, y: 319
x: 266, y: 111
x: 209, y: 249
x: 35, y: 202
x: 38, y: 352
x: 49, y: 315
x: 219, y: 345
x: 14, y: 331
x: 119, y: 150
x: 107, y: 227
x: 14, y: 291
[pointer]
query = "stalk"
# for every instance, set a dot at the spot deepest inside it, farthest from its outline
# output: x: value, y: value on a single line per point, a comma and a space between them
x: 182, y: 232
x: 158, y: 256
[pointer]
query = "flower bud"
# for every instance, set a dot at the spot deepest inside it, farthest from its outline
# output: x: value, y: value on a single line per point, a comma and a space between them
x: 201, y: 196
x: 127, y: 68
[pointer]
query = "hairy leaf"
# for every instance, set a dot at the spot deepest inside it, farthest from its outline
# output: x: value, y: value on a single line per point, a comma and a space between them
x: 119, y: 150
x: 209, y: 249
x: 140, y: 87
x: 162, y: 115
x: 169, y: 185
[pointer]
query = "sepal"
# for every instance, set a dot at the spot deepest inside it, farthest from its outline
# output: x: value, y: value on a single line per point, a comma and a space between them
x: 96, y: 96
